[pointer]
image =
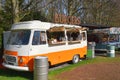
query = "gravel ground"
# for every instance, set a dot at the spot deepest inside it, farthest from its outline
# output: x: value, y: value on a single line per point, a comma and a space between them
x: 101, y: 71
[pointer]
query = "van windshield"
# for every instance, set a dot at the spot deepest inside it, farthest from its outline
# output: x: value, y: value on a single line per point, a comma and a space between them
x: 19, y: 37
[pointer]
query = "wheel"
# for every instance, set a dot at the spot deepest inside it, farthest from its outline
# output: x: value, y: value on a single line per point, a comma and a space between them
x: 49, y: 64
x: 85, y: 57
x: 75, y: 59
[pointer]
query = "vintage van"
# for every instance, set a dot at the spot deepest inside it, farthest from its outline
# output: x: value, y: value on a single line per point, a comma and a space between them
x: 59, y: 42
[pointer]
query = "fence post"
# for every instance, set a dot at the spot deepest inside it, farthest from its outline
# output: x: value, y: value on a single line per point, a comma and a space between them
x: 41, y: 68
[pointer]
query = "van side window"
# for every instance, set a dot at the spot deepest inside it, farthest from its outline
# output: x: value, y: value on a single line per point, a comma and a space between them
x: 39, y: 37
x: 56, y: 38
x: 42, y: 37
x: 74, y: 37
x: 84, y: 36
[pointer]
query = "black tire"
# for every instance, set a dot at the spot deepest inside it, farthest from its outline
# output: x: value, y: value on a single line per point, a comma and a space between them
x: 49, y: 64
x: 85, y: 57
x: 75, y: 59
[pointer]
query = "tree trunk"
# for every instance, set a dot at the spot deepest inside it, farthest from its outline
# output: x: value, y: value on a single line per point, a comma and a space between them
x: 15, y: 9
x: 0, y: 5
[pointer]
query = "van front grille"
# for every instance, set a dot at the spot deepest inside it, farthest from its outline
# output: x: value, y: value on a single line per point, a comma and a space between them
x: 10, y: 59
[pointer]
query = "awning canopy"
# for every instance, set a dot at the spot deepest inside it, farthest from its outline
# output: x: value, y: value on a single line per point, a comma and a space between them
x: 62, y: 28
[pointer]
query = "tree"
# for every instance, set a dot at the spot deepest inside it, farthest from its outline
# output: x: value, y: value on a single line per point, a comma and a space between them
x: 99, y: 12
x: 15, y: 10
x: 66, y: 7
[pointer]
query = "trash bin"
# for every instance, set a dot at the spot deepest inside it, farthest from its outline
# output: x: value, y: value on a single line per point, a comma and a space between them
x: 91, y: 50
x: 89, y: 53
x: 110, y: 51
x: 41, y: 68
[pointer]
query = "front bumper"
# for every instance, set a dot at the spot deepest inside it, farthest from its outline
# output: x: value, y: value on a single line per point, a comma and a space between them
x: 18, y: 68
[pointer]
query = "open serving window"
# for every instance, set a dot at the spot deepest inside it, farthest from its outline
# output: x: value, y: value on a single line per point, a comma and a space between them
x: 62, y: 35
x: 74, y: 35
x: 56, y: 36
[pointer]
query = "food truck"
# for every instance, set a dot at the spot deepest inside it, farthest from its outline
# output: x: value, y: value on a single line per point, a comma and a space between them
x: 105, y: 37
x: 59, y: 42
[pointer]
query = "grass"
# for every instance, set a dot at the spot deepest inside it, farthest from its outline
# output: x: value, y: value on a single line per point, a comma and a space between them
x: 18, y: 75
x: 7, y: 74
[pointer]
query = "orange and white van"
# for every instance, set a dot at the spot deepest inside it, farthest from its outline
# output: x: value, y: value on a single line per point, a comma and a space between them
x: 59, y: 42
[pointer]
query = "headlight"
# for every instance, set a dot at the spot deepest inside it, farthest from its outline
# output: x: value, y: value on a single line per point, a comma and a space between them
x: 21, y: 60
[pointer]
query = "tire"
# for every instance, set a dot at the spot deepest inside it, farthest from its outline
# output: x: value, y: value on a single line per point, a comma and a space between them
x: 85, y: 57
x: 49, y: 64
x: 75, y: 59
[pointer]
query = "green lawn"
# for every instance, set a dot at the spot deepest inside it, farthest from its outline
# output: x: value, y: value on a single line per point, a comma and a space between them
x: 15, y: 75
x: 18, y: 75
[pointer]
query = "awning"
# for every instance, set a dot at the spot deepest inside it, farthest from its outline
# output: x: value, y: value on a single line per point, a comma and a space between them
x: 62, y: 28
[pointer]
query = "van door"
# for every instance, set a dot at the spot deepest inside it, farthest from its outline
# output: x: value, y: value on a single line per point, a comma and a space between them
x: 38, y: 43
x: 84, y: 43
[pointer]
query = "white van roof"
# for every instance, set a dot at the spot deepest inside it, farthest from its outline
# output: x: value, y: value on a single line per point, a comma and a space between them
x: 38, y: 25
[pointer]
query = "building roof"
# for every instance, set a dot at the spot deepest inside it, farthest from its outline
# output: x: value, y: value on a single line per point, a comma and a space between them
x: 94, y: 26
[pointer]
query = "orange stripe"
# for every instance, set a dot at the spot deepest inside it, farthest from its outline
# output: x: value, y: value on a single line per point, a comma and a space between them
x: 62, y: 56
x: 59, y: 57
x: 11, y: 52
